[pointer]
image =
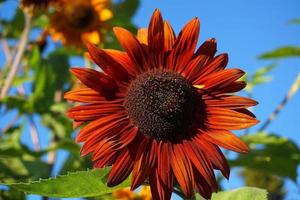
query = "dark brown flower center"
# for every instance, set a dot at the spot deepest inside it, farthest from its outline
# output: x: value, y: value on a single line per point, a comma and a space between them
x: 161, y: 104
x: 80, y: 16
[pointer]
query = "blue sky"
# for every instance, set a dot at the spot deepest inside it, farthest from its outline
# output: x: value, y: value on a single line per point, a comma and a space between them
x: 243, y: 29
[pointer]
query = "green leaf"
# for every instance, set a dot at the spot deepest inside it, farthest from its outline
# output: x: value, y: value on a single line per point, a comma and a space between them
x: 78, y: 184
x: 244, y: 193
x: 13, y: 168
x: 41, y: 21
x: 12, y: 194
x: 19, y: 80
x: 283, y: 52
x: 295, y: 21
x: 270, y: 153
x: 259, y: 77
x: 13, y: 28
x: 58, y: 123
x: 16, y: 102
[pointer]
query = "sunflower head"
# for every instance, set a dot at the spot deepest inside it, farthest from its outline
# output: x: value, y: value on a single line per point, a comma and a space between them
x: 79, y: 22
x: 161, y: 109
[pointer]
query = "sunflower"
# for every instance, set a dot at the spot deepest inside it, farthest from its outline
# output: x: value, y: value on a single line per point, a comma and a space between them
x: 161, y: 110
x: 79, y: 22
x: 127, y: 194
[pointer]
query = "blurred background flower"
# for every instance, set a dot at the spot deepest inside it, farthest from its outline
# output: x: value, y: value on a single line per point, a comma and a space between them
x: 80, y: 22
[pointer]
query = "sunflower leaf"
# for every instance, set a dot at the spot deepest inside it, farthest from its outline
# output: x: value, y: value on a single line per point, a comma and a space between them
x: 244, y: 193
x: 88, y: 183
x: 283, y: 52
x: 295, y: 21
x: 270, y: 153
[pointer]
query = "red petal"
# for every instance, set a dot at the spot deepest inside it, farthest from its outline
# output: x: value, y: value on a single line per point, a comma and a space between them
x: 161, y: 180
x: 169, y: 36
x: 93, y: 111
x: 182, y: 169
x: 123, y: 59
x: 156, y: 40
x: 156, y: 33
x: 84, y: 95
x: 133, y: 48
x: 192, y: 68
x: 208, y: 48
x: 184, y: 47
x: 106, y: 161
x: 99, y: 126
x: 217, y: 64
x: 220, y: 118
x: 122, y: 167
x: 203, y: 188
x: 108, y: 64
x: 201, y: 162
x: 145, y: 161
x: 226, y: 140
x: 96, y: 80
x: 214, y: 155
x: 95, y: 139
x: 229, y: 101
x: 220, y: 79
x: 142, y: 36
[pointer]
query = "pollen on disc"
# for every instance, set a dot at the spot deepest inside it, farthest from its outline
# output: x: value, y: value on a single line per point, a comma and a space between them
x: 161, y: 104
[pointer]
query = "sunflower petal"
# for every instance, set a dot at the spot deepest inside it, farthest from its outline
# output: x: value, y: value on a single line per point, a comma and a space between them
x: 145, y: 161
x: 230, y: 101
x: 107, y: 63
x: 132, y: 46
x: 226, y: 140
x: 96, y: 80
x: 221, y: 79
x: 161, y: 180
x: 156, y: 33
x: 84, y: 95
x: 142, y: 36
x: 208, y: 48
x: 216, y: 64
x: 169, y: 36
x: 182, y: 169
x: 93, y: 111
x: 98, y: 125
x: 201, y: 163
x: 214, y: 155
x: 220, y: 118
x: 122, y: 167
x: 184, y: 46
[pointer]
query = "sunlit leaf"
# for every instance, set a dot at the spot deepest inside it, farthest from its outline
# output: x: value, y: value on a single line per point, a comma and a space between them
x: 78, y: 184
x: 260, y: 76
x: 12, y: 194
x: 270, y: 153
x: 244, y: 193
x: 283, y: 52
x: 295, y: 21
x: 16, y: 169
x: 58, y: 123
x: 13, y: 28
x: 16, y: 102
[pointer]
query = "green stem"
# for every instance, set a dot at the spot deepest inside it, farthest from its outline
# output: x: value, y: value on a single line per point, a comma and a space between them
x: 292, y: 91
x: 20, y: 52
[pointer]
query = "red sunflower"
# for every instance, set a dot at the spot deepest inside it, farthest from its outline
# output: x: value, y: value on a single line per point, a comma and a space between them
x: 160, y: 110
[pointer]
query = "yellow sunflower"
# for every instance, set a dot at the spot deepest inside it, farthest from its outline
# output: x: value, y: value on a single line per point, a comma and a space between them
x: 127, y: 194
x: 79, y: 22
